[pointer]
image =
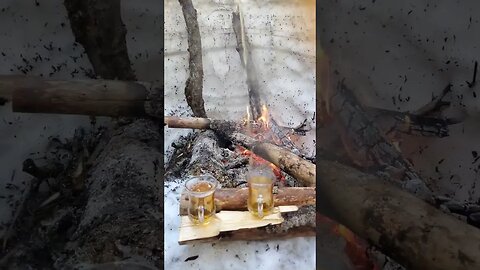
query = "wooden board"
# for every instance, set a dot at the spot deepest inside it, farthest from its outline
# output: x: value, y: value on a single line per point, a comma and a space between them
x: 229, y: 221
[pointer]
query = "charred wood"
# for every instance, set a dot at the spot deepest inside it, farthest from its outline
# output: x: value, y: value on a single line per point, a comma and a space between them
x: 243, y: 48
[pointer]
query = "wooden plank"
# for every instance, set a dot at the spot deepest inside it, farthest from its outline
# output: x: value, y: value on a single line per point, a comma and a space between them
x: 287, y: 222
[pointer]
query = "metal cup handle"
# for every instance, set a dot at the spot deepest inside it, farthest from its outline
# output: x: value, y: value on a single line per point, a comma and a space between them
x: 260, y: 205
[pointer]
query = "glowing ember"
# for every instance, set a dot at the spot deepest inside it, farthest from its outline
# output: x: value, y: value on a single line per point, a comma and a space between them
x: 276, y: 171
x: 355, y: 248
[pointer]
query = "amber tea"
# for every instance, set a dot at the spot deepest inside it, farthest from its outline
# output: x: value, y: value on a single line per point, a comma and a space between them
x: 201, y: 190
x: 260, y: 196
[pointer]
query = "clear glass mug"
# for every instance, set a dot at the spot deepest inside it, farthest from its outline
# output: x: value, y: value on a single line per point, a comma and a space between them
x: 201, y: 200
x: 260, y: 180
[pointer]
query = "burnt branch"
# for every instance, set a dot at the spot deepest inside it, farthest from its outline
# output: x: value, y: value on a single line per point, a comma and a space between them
x: 97, y: 25
x: 474, y: 79
x: 243, y: 48
x: 412, y: 124
x: 436, y: 104
x: 370, y: 150
x: 194, y: 84
x: 366, y: 145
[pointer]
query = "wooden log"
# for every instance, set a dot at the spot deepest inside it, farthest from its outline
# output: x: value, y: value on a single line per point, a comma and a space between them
x: 299, y: 223
x: 414, y: 233
x: 235, y: 199
x: 300, y: 169
x: 187, y: 122
x: 85, y: 97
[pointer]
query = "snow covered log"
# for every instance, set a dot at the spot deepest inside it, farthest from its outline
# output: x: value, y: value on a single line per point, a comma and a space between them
x: 404, y: 227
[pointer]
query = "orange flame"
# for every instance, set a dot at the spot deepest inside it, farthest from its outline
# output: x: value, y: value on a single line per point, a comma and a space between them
x: 264, y: 119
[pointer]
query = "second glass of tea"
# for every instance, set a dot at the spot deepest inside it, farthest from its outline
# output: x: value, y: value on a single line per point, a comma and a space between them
x: 201, y: 201
x: 260, y: 180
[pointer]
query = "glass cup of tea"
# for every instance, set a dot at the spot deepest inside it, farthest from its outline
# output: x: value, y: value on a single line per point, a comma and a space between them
x: 201, y: 201
x: 260, y: 180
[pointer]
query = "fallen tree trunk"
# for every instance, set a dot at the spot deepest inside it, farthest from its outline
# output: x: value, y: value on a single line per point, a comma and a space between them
x: 401, y: 225
x: 235, y: 199
x: 299, y: 223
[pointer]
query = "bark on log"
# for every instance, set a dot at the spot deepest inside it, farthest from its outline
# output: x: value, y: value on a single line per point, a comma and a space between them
x: 300, y: 223
x: 300, y: 169
x: 235, y: 199
x: 85, y: 97
x: 123, y: 201
x: 206, y: 158
x: 98, y: 26
x: 194, y: 84
x: 187, y: 122
x: 401, y: 225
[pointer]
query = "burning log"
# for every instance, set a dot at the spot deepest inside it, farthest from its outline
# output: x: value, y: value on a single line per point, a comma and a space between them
x: 300, y: 223
x: 300, y: 169
x: 235, y: 199
x: 401, y: 225
x: 194, y: 84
